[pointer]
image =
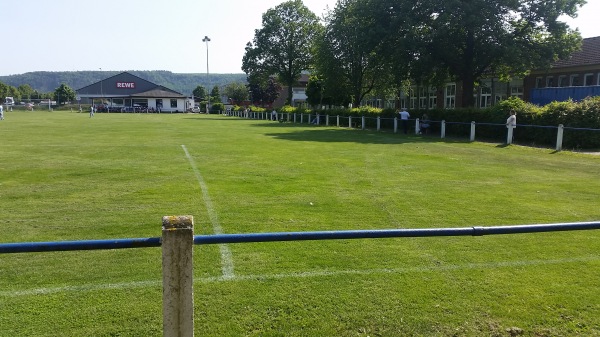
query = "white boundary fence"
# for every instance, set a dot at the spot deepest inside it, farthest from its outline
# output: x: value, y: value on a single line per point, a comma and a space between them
x: 360, y: 123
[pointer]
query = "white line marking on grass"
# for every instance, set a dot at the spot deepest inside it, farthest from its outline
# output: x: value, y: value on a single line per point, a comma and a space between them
x: 308, y: 274
x: 81, y: 288
x: 226, y: 257
x: 409, y: 270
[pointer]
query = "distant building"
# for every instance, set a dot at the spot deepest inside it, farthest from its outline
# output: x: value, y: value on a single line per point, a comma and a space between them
x: 298, y: 93
x: 576, y: 77
x: 128, y: 93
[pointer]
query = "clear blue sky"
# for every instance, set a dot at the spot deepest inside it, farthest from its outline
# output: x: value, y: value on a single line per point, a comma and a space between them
x: 118, y: 35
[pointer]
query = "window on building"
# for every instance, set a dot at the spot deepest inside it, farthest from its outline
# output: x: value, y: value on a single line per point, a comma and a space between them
x: 485, y: 97
x: 549, y: 82
x: 423, y: 98
x: 516, y: 91
x: 174, y: 103
x: 138, y: 102
x: 432, y: 98
x: 413, y: 99
x: 450, y: 97
x: 539, y: 82
x: 575, y: 80
x: 588, y: 80
x: 562, y: 81
x: 117, y: 101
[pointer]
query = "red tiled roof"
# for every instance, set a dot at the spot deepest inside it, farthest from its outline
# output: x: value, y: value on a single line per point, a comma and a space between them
x: 588, y: 55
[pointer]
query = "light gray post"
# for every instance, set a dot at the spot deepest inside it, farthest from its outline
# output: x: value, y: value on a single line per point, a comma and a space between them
x: 349, y: 121
x: 363, y: 122
x: 294, y: 117
x: 509, y: 135
x: 417, y: 126
x: 327, y: 120
x: 395, y: 124
x: 301, y: 118
x: 338, y: 121
x: 443, y: 135
x: 559, y: 137
x: 318, y: 119
x: 472, y: 138
x: 177, y: 268
x: 378, y: 123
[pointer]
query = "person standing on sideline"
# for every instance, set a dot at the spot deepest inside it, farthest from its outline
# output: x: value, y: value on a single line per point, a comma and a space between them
x: 274, y: 115
x: 424, y: 124
x: 511, y: 124
x: 92, y: 108
x: 1, y: 112
x: 404, y: 116
x: 511, y: 121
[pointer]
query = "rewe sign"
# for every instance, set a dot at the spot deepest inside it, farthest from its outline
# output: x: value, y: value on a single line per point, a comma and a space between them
x: 126, y: 85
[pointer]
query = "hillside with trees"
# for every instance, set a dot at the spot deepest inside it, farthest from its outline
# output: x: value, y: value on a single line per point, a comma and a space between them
x: 46, y: 81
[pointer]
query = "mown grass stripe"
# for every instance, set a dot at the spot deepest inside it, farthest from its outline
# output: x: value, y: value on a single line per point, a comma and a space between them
x: 305, y: 274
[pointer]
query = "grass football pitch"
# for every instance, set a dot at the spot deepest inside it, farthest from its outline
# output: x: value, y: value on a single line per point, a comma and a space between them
x: 65, y: 176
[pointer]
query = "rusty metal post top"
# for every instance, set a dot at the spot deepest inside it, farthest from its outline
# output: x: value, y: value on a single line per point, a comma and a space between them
x: 170, y: 222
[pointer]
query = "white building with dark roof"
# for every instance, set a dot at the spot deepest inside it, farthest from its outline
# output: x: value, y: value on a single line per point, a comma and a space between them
x: 125, y: 92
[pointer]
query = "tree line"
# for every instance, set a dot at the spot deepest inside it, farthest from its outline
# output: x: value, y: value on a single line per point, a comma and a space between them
x: 382, y: 47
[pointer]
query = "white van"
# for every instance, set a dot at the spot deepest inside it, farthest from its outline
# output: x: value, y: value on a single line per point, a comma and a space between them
x: 9, y: 101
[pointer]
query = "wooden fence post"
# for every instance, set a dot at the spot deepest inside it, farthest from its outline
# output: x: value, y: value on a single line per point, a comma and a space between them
x: 178, y: 280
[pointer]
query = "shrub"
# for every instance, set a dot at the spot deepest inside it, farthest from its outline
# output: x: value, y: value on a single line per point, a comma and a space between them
x: 217, y: 108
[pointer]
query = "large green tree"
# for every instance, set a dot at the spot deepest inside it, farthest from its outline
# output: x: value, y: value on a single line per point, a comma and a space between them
x: 200, y: 93
x: 236, y: 91
x: 215, y: 95
x: 347, y: 53
x: 26, y: 91
x: 475, y: 38
x: 63, y: 93
x: 284, y: 45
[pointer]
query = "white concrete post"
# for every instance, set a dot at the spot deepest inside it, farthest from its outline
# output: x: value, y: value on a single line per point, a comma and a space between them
x: 338, y: 121
x: 395, y: 124
x: 417, y: 126
x: 178, y: 276
x: 301, y: 118
x: 327, y: 120
x: 559, y: 137
x: 349, y: 121
x: 363, y: 122
x: 378, y: 123
x: 318, y: 119
x: 443, y: 134
x: 472, y: 138
x: 509, y: 135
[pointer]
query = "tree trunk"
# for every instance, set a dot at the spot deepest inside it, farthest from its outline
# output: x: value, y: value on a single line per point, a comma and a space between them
x: 290, y: 93
x: 467, y: 73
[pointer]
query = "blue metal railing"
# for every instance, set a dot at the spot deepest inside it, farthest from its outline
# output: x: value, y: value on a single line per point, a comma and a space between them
x: 30, y: 247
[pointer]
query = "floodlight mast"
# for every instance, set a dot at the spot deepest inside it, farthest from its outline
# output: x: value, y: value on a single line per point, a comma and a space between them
x: 207, y: 39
